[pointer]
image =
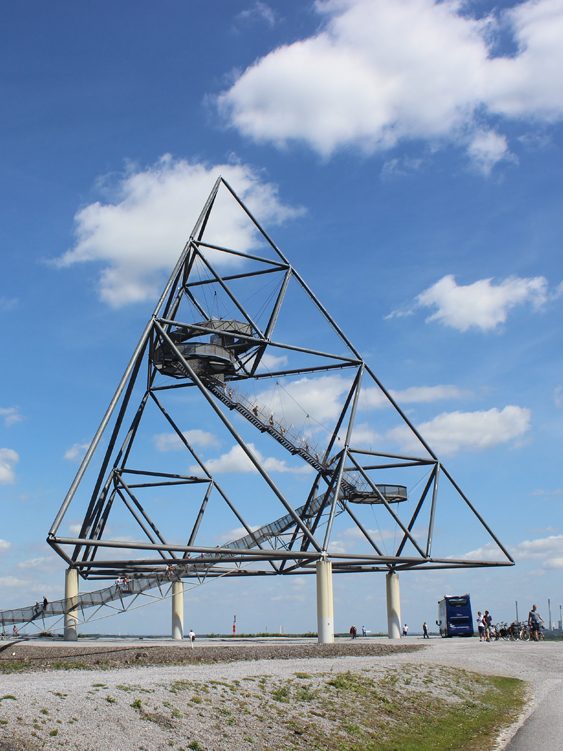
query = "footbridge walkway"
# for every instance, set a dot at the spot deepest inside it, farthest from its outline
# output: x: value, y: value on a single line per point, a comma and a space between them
x: 353, y: 487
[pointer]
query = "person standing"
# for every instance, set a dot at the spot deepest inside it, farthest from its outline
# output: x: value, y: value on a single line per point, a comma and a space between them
x: 405, y: 630
x: 535, y: 622
x: 480, y: 626
x: 191, y: 637
x: 487, y: 623
x: 353, y: 632
x: 425, y: 631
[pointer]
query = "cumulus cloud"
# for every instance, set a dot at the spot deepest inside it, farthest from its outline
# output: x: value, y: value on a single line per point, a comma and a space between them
x: 8, y: 458
x: 272, y: 362
x: 5, y: 545
x: 451, y: 432
x: 10, y: 415
x: 12, y: 581
x: 364, y: 435
x: 486, y: 148
x: 314, y: 401
x: 259, y: 11
x: 483, y: 304
x: 76, y: 452
x: 138, y: 234
x: 547, y: 551
x: 380, y: 72
x: 236, y: 460
x: 171, y: 441
x: 373, y: 398
x: 306, y: 401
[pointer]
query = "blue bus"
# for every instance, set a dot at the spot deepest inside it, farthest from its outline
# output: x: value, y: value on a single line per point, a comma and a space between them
x: 454, y: 616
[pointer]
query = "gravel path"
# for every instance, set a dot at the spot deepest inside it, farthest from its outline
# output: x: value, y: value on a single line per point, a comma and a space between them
x: 156, y: 707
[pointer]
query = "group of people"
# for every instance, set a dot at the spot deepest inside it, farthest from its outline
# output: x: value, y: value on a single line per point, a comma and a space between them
x: 40, y: 607
x: 487, y: 630
x: 354, y: 632
x: 484, y: 625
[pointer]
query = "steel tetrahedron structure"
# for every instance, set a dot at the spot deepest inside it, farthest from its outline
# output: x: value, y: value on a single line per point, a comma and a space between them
x: 248, y: 436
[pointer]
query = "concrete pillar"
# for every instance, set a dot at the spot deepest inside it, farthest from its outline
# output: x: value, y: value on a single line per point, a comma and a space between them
x: 393, y: 605
x: 325, y: 605
x: 71, y: 609
x: 178, y: 610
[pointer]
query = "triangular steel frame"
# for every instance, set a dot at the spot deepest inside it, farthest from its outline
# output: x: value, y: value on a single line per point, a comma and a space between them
x: 293, y: 543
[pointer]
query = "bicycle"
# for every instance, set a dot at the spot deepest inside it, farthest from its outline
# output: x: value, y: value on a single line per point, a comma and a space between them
x: 524, y: 633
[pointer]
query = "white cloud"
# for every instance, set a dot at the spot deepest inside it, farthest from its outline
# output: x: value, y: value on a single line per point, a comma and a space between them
x: 380, y: 72
x: 196, y: 437
x: 378, y: 535
x: 39, y: 562
x: 548, y: 551
x: 272, y: 362
x: 12, y: 581
x: 260, y: 11
x: 76, y: 451
x: 234, y: 534
x: 374, y: 398
x: 74, y: 529
x: 489, y: 552
x: 10, y: 415
x: 236, y: 460
x: 312, y: 403
x: 451, y: 432
x: 364, y: 435
x: 5, y: 545
x: 138, y: 236
x: 558, y: 396
x: 306, y: 400
x: 486, y: 148
x: 8, y: 458
x: 482, y: 305
x: 543, y: 548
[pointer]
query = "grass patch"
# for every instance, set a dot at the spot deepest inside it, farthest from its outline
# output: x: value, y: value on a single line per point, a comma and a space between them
x: 362, y: 713
x: 457, y: 728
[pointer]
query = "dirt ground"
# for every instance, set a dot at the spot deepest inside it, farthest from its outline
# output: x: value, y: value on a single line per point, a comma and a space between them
x: 26, y: 655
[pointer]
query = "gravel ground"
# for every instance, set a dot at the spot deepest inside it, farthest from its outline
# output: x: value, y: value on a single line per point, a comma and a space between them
x: 221, y: 697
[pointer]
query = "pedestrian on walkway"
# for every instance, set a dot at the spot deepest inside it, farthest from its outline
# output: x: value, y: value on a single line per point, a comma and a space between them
x: 191, y: 637
x: 425, y: 631
x: 535, y: 622
x: 480, y: 625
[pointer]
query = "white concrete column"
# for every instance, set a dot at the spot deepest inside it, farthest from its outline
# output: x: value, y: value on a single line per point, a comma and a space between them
x: 178, y: 610
x: 71, y: 608
x: 393, y: 605
x: 325, y: 605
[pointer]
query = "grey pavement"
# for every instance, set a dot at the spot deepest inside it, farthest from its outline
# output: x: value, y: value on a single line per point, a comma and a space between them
x: 544, y: 727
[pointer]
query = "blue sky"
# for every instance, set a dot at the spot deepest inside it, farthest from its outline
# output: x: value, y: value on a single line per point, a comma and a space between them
x: 405, y: 155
